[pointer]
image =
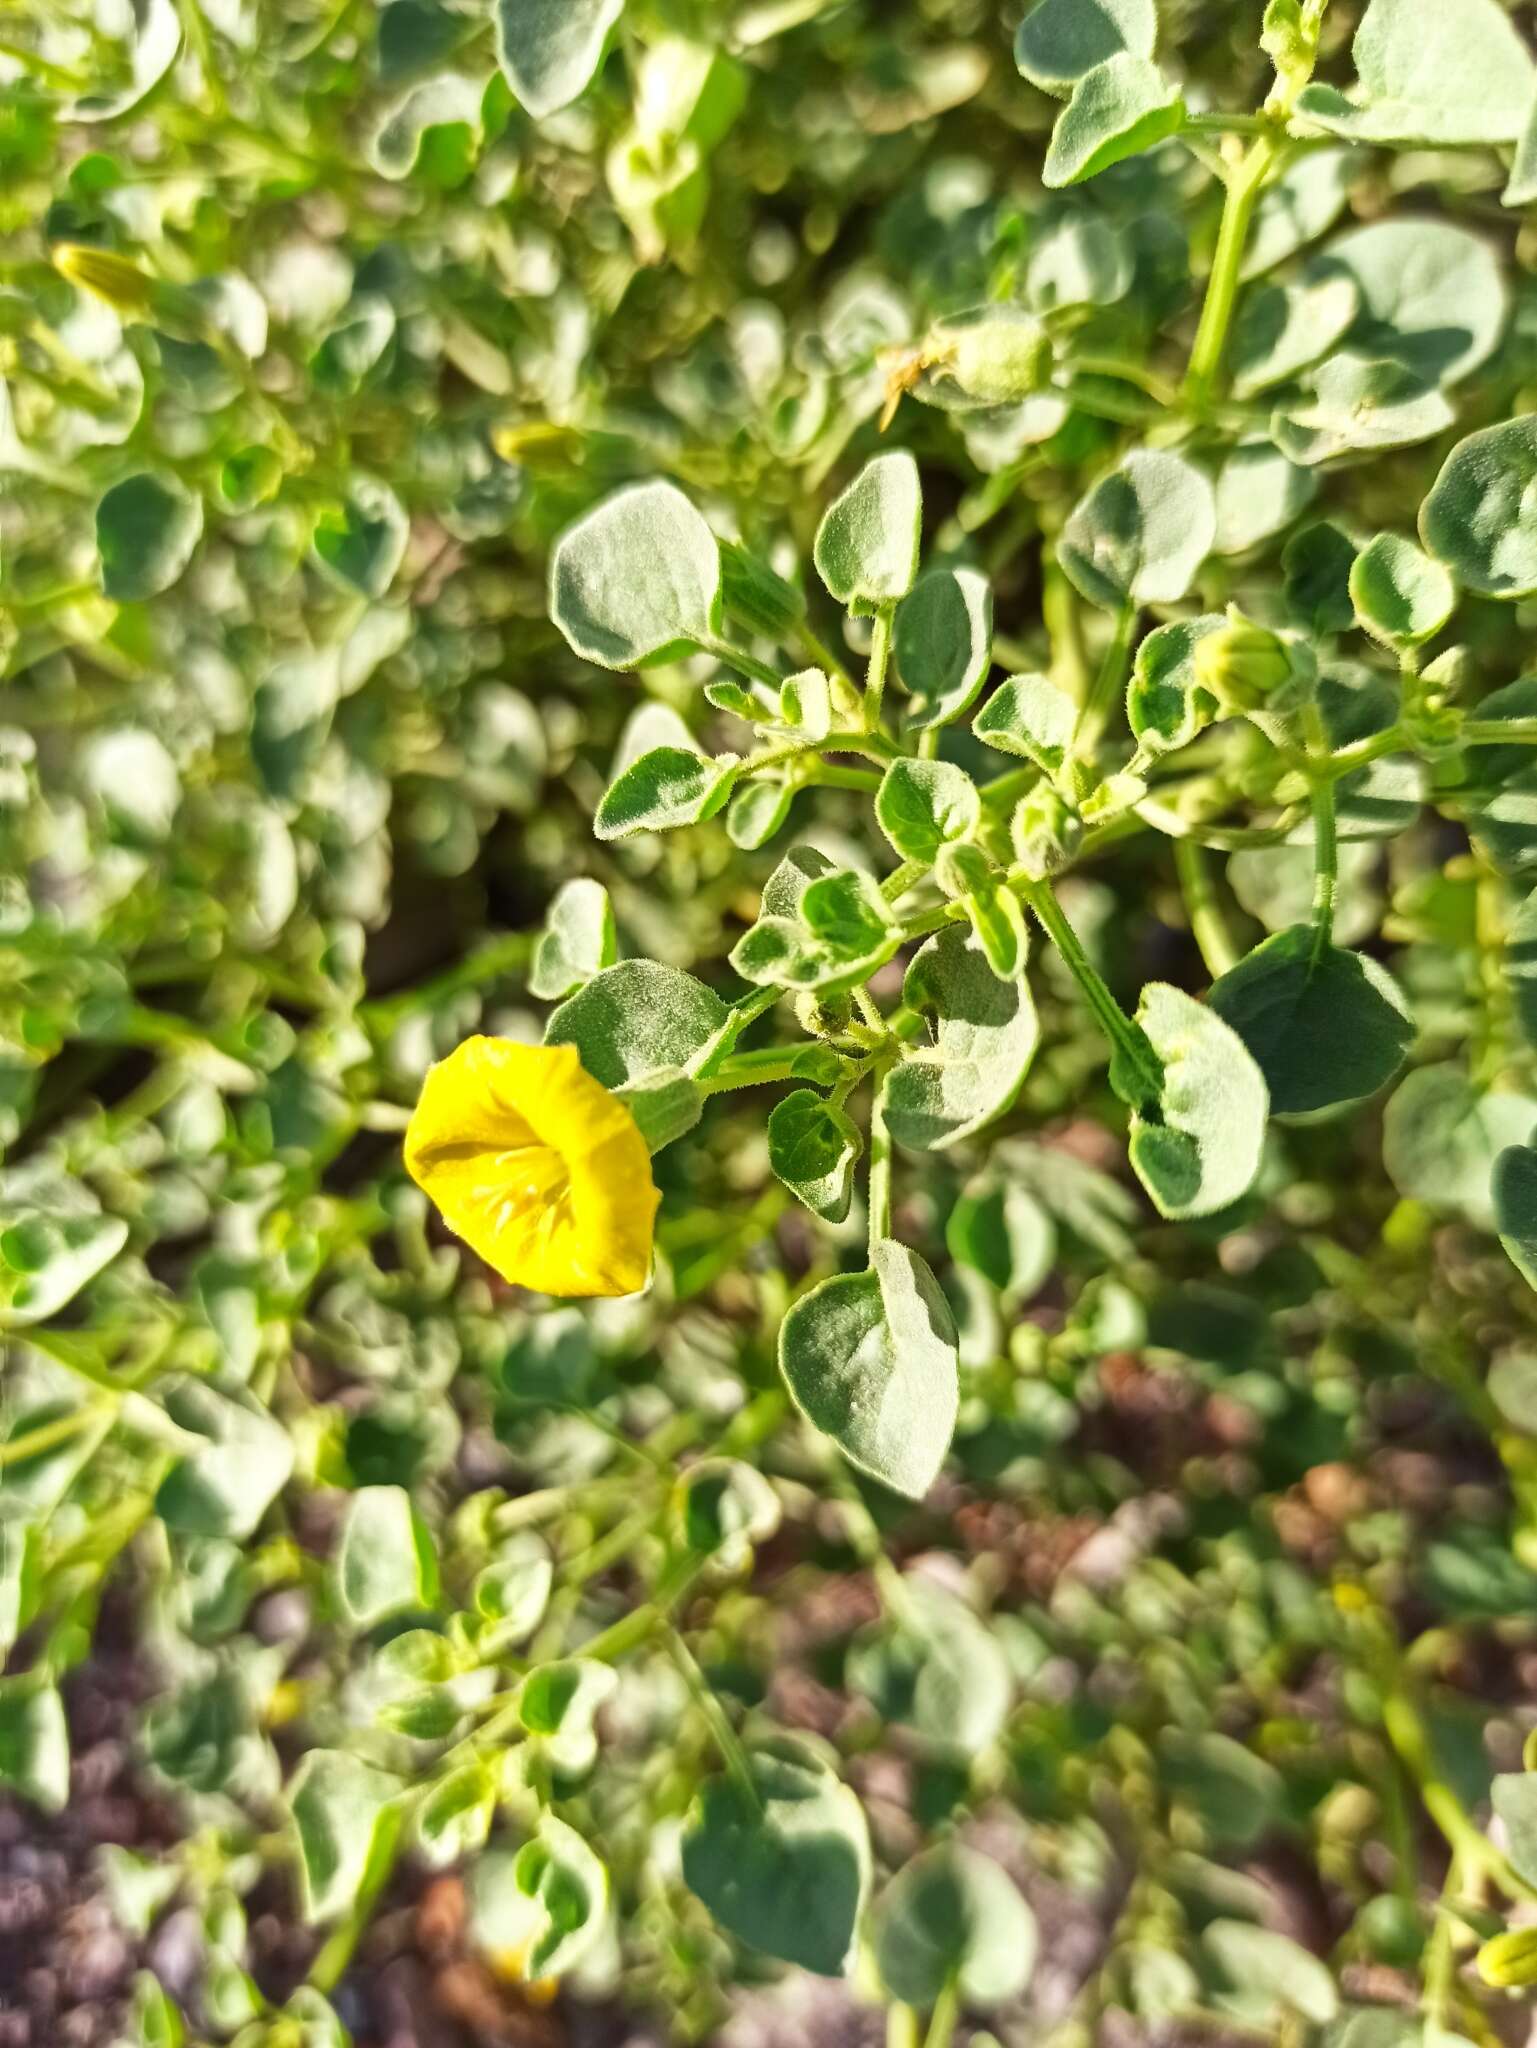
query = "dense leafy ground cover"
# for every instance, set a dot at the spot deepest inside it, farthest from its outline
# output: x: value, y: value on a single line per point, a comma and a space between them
x: 922, y: 619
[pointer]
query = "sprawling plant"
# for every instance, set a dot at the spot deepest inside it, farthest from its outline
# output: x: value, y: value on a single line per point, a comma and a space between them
x: 1015, y: 1020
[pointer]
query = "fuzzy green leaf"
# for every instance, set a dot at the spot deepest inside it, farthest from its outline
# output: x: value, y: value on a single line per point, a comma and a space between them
x: 944, y: 644
x: 1481, y: 516
x: 784, y: 1864
x: 1118, y: 109
x: 813, y: 1147
x: 147, y: 528
x: 1141, y: 533
x: 1202, y: 1150
x: 870, y: 1360
x: 982, y: 1037
x: 638, y: 579
x: 867, y: 544
x: 1326, y: 1026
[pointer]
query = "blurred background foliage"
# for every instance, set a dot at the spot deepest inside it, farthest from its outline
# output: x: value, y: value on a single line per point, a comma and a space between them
x: 1225, y: 1611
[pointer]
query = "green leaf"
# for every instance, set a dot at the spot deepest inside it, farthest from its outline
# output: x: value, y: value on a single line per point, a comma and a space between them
x: 998, y: 918
x: 1060, y: 40
x: 1282, y: 328
x: 1325, y: 1026
x: 155, y: 32
x: 1263, y: 1975
x: 813, y: 1147
x: 935, y: 1667
x: 147, y: 528
x: 1141, y: 533
x: 758, y: 810
x: 1360, y: 403
x: 998, y: 1228
x: 155, y: 2020
x: 952, y: 1916
x: 1118, y: 109
x: 1259, y: 494
x: 823, y: 927
x: 870, y: 1360
x: 1406, y: 274
x: 1201, y: 1150
x: 225, y: 1489
x: 638, y: 579
x: 558, y: 1704
x: 34, y: 1742
x: 1237, y: 1795
x: 785, y: 1864
x: 1515, y: 1802
x: 363, y: 540
x: 806, y: 703
x: 944, y: 644
x: 1456, y: 72
x: 1401, y: 596
x: 346, y: 1826
x: 636, y: 1019
x: 666, y: 788
x: 1318, y: 562
x: 725, y: 1508
x: 1077, y: 261
x: 1166, y: 704
x: 756, y: 597
x: 538, y: 1911
x: 1441, y: 1136
x: 550, y: 49
x: 866, y: 548
x: 924, y: 805
x: 1521, y: 186
x: 1029, y: 716
x: 1481, y: 515
x: 982, y: 1037
x: 48, y: 1255
x: 578, y: 940
x: 385, y: 1561
x: 1521, y: 967
x: 1513, y: 1191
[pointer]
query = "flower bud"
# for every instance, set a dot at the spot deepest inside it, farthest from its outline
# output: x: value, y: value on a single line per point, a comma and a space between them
x: 1241, y: 664
x: 995, y: 356
x: 130, y: 291
x: 1047, y: 832
x: 105, y: 275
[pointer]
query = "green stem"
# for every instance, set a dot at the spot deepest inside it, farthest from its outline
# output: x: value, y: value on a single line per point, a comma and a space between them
x: 901, y: 2027
x: 827, y: 775
x: 1326, y: 862
x: 1157, y: 388
x: 754, y: 1069
x: 880, y: 1172
x: 1203, y: 907
x: 33, y: 1442
x: 726, y: 1739
x: 746, y: 1010
x: 745, y: 664
x: 1108, y: 682
x: 880, y: 659
x: 1243, y: 190
x: 1125, y: 1035
x: 947, y: 2010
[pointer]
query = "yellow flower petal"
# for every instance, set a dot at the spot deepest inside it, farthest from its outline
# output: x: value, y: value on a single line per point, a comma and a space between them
x: 536, y: 1166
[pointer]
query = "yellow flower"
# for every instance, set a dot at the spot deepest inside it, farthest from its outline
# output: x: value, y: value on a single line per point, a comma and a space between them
x: 536, y: 1166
